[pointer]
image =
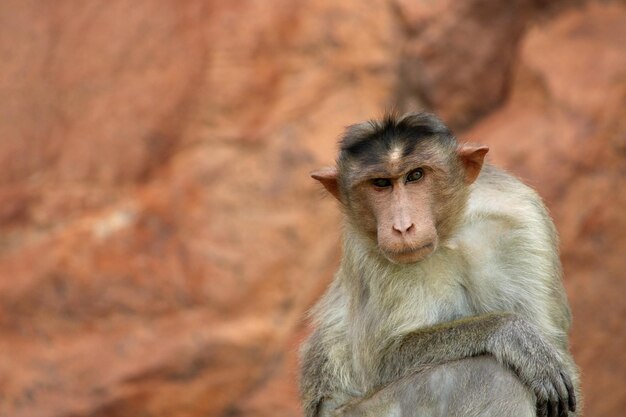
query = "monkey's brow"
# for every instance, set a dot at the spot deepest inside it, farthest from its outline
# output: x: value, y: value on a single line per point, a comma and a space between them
x: 386, y: 171
x: 385, y: 168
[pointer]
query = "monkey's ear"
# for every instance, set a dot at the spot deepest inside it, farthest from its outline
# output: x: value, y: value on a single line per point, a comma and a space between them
x: 328, y: 177
x: 472, y: 157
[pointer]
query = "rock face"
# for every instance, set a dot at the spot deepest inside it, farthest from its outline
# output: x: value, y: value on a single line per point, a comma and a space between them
x: 160, y: 240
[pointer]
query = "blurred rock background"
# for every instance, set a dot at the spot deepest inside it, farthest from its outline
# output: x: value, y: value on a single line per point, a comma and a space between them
x: 160, y: 239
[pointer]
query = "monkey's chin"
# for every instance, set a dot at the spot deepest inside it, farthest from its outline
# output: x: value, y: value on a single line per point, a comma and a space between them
x: 411, y: 255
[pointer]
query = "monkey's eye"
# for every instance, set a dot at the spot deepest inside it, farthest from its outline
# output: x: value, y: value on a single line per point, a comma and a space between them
x: 381, y: 182
x: 415, y: 175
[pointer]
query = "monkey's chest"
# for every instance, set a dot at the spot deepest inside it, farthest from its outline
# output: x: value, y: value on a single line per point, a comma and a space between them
x: 400, y: 311
x: 403, y: 310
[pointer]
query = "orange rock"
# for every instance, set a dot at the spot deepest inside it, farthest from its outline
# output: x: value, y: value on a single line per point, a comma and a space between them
x: 160, y: 239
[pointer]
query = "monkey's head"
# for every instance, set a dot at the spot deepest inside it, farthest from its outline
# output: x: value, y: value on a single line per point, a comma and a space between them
x: 403, y: 182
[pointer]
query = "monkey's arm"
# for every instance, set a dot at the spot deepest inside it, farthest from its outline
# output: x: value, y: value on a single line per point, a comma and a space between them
x: 315, y: 379
x: 513, y: 341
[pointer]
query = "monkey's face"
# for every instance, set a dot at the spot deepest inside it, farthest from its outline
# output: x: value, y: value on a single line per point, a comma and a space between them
x: 397, y: 210
x: 404, y: 183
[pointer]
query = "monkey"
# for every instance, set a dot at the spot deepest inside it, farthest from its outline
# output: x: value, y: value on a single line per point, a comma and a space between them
x: 448, y: 299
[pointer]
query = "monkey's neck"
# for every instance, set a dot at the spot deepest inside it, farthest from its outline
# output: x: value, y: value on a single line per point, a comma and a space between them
x: 366, y: 274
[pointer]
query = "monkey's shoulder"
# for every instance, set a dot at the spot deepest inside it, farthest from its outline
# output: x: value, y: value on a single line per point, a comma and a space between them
x: 500, y: 196
x: 507, y: 237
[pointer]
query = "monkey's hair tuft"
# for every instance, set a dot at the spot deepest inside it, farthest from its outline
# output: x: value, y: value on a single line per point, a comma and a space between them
x: 407, y: 130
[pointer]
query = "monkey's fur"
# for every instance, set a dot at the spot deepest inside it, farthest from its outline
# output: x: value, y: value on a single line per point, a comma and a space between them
x: 478, y: 326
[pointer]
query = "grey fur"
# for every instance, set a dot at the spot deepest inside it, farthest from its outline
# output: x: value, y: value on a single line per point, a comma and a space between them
x: 397, y: 340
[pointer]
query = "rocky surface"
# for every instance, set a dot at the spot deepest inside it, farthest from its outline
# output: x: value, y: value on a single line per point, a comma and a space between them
x: 160, y: 240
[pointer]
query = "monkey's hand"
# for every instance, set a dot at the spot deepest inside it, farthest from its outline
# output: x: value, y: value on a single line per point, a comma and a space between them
x: 519, y: 345
x: 513, y: 341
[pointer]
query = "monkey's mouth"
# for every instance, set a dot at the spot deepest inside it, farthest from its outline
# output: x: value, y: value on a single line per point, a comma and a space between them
x: 410, y: 254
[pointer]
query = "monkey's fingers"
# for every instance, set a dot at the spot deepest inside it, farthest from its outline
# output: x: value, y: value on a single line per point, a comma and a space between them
x: 542, y: 408
x: 571, y: 398
x: 561, y: 388
x: 548, y: 399
x: 553, y: 407
x: 563, y: 408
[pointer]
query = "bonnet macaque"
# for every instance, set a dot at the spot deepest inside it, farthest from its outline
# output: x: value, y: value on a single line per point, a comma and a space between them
x: 448, y: 300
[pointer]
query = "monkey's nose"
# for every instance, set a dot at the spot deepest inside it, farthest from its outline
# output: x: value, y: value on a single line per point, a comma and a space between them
x: 403, y: 228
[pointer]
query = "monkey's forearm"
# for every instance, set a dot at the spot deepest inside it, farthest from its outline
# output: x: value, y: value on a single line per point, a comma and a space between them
x: 506, y: 336
x: 510, y: 339
x: 441, y: 343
